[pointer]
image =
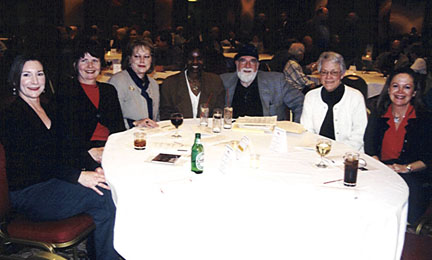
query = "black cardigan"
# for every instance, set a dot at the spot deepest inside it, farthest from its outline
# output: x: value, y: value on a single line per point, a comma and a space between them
x: 32, y: 154
x: 417, y: 144
x: 78, y: 117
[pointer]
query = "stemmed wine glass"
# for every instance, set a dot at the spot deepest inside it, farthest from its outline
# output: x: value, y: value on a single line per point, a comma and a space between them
x: 323, y: 148
x: 176, y: 120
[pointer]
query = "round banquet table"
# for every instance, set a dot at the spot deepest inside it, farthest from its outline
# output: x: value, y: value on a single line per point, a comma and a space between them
x: 282, y: 210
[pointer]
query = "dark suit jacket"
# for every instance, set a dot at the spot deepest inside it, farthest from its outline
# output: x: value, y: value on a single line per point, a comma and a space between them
x: 174, y: 95
x: 77, y: 118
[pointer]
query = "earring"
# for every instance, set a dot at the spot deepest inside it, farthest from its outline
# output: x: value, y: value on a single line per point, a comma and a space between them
x: 14, y: 91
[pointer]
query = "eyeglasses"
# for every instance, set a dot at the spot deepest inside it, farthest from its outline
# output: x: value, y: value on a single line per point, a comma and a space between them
x: 333, y: 73
x: 243, y: 61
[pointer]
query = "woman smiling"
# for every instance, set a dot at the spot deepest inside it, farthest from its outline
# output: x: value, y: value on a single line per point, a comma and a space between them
x: 42, y: 186
x: 335, y: 110
x: 138, y: 93
x: 398, y: 134
x: 88, y: 111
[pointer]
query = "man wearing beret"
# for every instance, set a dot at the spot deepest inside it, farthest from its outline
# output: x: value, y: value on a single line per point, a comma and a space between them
x: 257, y: 93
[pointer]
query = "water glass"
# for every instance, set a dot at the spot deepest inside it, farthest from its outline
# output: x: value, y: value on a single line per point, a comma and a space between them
x: 228, y: 113
x: 203, y: 114
x: 217, y: 120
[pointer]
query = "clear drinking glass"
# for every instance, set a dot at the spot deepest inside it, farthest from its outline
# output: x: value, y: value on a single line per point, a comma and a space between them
x: 217, y: 120
x: 323, y: 147
x: 203, y: 114
x: 228, y: 113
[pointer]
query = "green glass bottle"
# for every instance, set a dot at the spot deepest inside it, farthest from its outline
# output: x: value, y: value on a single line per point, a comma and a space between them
x: 197, y: 158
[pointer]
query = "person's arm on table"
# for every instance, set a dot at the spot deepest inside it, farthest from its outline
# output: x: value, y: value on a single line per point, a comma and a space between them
x: 408, y: 168
x: 146, y: 122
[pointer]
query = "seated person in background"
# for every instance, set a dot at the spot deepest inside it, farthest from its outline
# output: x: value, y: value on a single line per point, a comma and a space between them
x: 281, y: 56
x: 147, y: 37
x: 258, y: 43
x: 185, y: 91
x: 334, y: 110
x: 311, y: 55
x: 391, y: 60
x: 167, y: 57
x: 231, y: 42
x: 257, y: 93
x: 293, y: 71
x: 88, y: 111
x: 121, y: 40
x: 399, y: 134
x: 416, y: 56
x: 138, y: 93
x: 179, y: 39
x: 41, y: 185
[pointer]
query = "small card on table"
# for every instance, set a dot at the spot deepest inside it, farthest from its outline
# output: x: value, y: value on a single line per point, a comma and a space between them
x: 279, y: 141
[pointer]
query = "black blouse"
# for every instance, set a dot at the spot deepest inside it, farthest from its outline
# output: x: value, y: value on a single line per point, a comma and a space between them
x: 32, y: 154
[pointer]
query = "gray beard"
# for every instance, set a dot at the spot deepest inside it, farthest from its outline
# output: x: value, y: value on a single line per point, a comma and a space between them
x: 247, y: 78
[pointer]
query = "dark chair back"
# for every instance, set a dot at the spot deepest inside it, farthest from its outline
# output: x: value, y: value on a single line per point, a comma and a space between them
x: 264, y: 65
x: 358, y: 83
x: 4, y: 197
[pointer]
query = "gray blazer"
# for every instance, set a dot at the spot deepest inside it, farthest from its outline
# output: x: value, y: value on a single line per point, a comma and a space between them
x: 133, y: 104
x: 274, y: 91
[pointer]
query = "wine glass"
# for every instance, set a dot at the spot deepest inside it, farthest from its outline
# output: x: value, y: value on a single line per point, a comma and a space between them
x: 323, y: 148
x: 176, y: 120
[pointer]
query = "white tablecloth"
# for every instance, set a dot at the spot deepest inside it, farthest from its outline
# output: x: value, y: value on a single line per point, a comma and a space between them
x: 280, y: 211
x: 374, y: 80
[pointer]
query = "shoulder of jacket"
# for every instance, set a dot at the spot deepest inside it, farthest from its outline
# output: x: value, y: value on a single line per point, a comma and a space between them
x: 120, y: 75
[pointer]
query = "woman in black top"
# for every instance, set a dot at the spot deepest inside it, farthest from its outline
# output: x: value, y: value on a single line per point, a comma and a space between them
x: 398, y: 133
x: 88, y: 111
x: 41, y: 185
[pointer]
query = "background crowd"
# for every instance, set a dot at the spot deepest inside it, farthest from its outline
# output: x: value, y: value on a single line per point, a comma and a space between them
x: 55, y: 90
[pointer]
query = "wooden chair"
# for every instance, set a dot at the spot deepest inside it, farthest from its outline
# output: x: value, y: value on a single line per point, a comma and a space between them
x: 48, y: 235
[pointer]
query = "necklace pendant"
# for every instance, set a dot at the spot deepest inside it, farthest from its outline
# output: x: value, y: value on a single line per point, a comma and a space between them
x: 396, y: 119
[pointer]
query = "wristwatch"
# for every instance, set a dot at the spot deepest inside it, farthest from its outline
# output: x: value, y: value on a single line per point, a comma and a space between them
x: 409, y: 168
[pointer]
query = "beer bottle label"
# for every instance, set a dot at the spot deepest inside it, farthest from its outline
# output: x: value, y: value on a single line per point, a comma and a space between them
x: 199, y: 161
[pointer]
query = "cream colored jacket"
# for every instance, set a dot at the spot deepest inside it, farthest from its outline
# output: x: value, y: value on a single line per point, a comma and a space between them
x: 133, y: 104
x: 349, y: 116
